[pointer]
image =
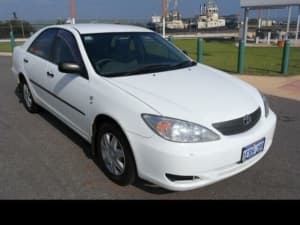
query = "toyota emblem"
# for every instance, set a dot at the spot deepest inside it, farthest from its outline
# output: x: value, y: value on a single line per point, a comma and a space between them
x: 247, y: 120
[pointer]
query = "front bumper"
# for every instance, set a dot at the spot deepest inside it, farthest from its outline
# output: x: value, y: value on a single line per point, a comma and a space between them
x: 210, y: 162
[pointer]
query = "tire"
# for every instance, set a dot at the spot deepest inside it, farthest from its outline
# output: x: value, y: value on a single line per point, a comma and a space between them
x: 27, y: 98
x: 114, y: 154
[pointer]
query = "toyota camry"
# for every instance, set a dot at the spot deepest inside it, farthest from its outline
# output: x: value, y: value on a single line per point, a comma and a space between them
x: 146, y: 108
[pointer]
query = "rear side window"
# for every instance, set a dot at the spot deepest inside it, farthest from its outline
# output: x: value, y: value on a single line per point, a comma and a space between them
x: 42, y: 45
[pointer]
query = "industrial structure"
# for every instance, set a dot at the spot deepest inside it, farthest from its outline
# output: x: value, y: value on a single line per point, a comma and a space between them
x: 209, y: 16
x: 248, y: 5
x: 171, y: 18
x: 72, y: 12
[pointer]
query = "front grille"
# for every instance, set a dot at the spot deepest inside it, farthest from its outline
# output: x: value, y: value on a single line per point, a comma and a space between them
x: 239, y: 125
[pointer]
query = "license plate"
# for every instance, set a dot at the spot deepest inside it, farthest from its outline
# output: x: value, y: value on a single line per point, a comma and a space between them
x: 252, y: 150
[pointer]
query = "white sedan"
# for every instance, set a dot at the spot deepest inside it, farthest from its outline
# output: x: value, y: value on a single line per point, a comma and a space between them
x: 147, y: 109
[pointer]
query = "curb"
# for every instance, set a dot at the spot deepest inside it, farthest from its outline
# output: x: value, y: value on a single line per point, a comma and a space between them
x: 285, y: 87
x: 5, y: 54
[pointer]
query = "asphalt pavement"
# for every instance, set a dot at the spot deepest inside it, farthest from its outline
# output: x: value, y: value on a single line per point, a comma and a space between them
x: 41, y: 158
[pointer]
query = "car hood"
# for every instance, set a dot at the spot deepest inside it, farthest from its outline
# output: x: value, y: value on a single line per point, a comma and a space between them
x: 199, y: 94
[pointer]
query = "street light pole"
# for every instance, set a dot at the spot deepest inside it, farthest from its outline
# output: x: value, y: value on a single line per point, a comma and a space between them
x: 72, y: 11
x: 164, y: 17
x: 246, y: 19
x: 22, y: 27
x: 298, y: 23
x: 259, y: 18
x: 288, y: 22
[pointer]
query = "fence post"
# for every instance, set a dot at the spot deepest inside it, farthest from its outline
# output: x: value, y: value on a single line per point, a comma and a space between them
x: 199, y: 50
x: 170, y: 39
x: 241, y: 56
x: 285, y: 58
x: 12, y: 40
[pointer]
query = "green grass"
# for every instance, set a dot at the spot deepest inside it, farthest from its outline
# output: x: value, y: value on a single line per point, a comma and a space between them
x: 258, y: 60
x: 5, y: 47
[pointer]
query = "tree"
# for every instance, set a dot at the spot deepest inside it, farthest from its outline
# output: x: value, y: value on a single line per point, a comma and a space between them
x: 60, y: 21
x: 19, y: 27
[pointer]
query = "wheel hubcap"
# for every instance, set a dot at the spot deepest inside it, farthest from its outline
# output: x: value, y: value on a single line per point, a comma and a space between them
x: 27, y: 95
x: 112, y: 154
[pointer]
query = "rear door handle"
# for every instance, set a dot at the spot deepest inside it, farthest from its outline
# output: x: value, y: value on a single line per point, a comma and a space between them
x: 26, y: 61
x: 50, y: 74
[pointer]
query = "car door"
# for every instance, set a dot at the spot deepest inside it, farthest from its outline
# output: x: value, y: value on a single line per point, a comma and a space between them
x: 36, y: 62
x: 69, y: 92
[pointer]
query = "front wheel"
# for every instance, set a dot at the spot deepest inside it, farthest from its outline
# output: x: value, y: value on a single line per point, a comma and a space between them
x: 115, y: 155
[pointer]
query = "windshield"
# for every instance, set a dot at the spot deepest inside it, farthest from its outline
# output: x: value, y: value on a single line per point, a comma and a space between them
x: 124, y: 54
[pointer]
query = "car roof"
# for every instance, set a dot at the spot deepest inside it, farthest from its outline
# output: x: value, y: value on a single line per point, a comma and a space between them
x: 103, y: 28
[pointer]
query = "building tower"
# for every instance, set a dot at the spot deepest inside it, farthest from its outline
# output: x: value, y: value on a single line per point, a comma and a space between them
x: 72, y: 11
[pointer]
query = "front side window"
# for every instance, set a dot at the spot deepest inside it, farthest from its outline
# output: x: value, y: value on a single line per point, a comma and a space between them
x: 124, y: 54
x: 42, y: 45
x: 65, y: 49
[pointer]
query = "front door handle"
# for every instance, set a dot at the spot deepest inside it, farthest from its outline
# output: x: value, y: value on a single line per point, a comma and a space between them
x: 50, y: 74
x: 26, y: 61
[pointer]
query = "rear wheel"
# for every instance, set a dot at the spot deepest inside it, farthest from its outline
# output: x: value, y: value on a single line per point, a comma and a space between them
x: 115, y: 155
x: 27, y: 98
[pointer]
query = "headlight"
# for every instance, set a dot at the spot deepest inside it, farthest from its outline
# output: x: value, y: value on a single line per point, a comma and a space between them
x: 266, y: 104
x: 178, y: 130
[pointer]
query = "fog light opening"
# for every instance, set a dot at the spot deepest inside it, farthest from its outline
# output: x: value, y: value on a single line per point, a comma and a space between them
x: 175, y: 178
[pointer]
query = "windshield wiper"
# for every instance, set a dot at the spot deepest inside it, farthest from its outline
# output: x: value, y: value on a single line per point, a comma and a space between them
x: 145, y: 69
x: 160, y: 67
x: 184, y: 64
x: 152, y: 68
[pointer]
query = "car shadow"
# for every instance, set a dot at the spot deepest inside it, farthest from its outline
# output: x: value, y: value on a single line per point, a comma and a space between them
x: 61, y: 127
x: 86, y: 147
x: 151, y: 188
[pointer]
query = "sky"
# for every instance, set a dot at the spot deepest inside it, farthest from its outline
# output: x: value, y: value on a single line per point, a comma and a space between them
x: 33, y: 10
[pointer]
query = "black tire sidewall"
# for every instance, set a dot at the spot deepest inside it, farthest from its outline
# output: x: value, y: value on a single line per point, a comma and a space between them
x: 129, y: 175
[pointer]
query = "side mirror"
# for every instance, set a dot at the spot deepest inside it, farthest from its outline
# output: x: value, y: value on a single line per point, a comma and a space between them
x: 70, y: 68
x: 185, y: 52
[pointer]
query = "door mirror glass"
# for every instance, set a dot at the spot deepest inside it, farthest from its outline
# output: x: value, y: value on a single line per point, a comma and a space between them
x: 74, y: 68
